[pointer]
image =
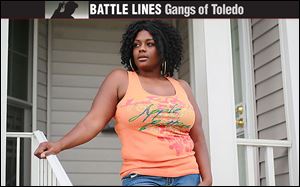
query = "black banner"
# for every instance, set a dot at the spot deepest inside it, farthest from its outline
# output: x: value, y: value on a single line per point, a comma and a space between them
x: 194, y: 9
x: 150, y: 9
x: 22, y: 9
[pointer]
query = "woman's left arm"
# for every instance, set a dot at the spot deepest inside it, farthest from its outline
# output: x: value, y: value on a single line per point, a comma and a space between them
x: 197, y: 134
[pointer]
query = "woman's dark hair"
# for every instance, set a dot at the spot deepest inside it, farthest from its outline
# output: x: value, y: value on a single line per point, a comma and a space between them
x: 167, y: 41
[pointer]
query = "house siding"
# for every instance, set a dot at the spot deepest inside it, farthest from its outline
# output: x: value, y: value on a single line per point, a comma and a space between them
x: 83, y: 53
x: 42, y: 76
x: 271, y: 122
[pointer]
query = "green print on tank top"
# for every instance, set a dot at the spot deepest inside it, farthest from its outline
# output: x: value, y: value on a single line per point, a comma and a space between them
x: 158, y: 122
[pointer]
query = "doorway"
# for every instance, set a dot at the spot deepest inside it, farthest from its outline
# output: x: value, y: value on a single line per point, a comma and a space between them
x: 19, y: 99
x: 244, y: 99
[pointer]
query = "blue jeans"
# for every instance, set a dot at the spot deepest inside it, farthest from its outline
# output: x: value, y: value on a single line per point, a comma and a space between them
x: 146, y: 180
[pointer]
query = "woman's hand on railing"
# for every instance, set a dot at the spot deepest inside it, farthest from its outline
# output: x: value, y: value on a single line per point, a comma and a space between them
x: 205, y: 183
x: 47, y: 148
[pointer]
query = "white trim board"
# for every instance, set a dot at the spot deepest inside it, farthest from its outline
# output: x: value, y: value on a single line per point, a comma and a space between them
x: 34, y: 74
x: 212, y: 82
x: 49, y: 52
x: 246, y: 59
x: 4, y: 64
x: 289, y: 46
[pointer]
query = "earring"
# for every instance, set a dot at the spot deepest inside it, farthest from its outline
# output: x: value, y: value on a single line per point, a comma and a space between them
x: 165, y: 67
x: 131, y: 64
x: 163, y: 70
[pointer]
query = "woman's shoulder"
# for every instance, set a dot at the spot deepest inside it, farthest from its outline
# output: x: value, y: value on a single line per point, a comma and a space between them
x: 116, y: 77
x: 118, y: 73
x: 119, y: 77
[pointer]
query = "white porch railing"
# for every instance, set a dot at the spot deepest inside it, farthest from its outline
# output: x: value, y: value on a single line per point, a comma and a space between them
x: 251, y: 144
x: 44, y: 172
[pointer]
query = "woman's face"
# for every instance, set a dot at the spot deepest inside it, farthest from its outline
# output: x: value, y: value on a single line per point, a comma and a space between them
x: 145, y: 53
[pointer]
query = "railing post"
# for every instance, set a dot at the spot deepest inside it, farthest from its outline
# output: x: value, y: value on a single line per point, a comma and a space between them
x: 58, y: 170
x: 49, y: 177
x: 269, y: 156
x: 269, y: 167
x: 250, y: 168
x: 43, y: 171
x: 18, y: 162
x: 34, y: 163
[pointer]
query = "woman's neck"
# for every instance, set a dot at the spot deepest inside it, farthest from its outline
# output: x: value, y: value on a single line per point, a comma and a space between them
x: 150, y: 75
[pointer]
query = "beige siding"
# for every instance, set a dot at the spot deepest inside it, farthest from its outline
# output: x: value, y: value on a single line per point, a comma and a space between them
x: 184, y: 72
x: 42, y: 76
x: 271, y: 123
x: 83, y: 53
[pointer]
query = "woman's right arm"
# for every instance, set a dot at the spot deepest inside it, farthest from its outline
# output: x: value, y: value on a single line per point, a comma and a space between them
x: 102, y: 110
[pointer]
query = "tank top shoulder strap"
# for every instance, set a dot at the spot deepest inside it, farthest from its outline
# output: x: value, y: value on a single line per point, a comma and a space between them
x: 132, y: 83
x: 179, y: 89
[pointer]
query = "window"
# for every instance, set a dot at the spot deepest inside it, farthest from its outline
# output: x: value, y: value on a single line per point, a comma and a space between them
x: 19, y: 99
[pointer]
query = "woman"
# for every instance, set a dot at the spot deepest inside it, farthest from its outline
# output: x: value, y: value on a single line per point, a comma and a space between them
x: 157, y: 118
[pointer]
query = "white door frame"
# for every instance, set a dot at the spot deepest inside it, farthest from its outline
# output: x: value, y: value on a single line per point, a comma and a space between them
x: 212, y: 84
x: 4, y: 63
x: 34, y: 73
x: 246, y: 59
x: 4, y: 74
x: 289, y: 47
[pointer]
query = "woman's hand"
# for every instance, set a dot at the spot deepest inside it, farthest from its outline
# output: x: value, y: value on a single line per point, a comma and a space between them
x: 47, y: 148
x: 205, y: 183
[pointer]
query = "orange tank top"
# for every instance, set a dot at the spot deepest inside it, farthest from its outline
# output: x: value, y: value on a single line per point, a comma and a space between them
x: 154, y: 131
